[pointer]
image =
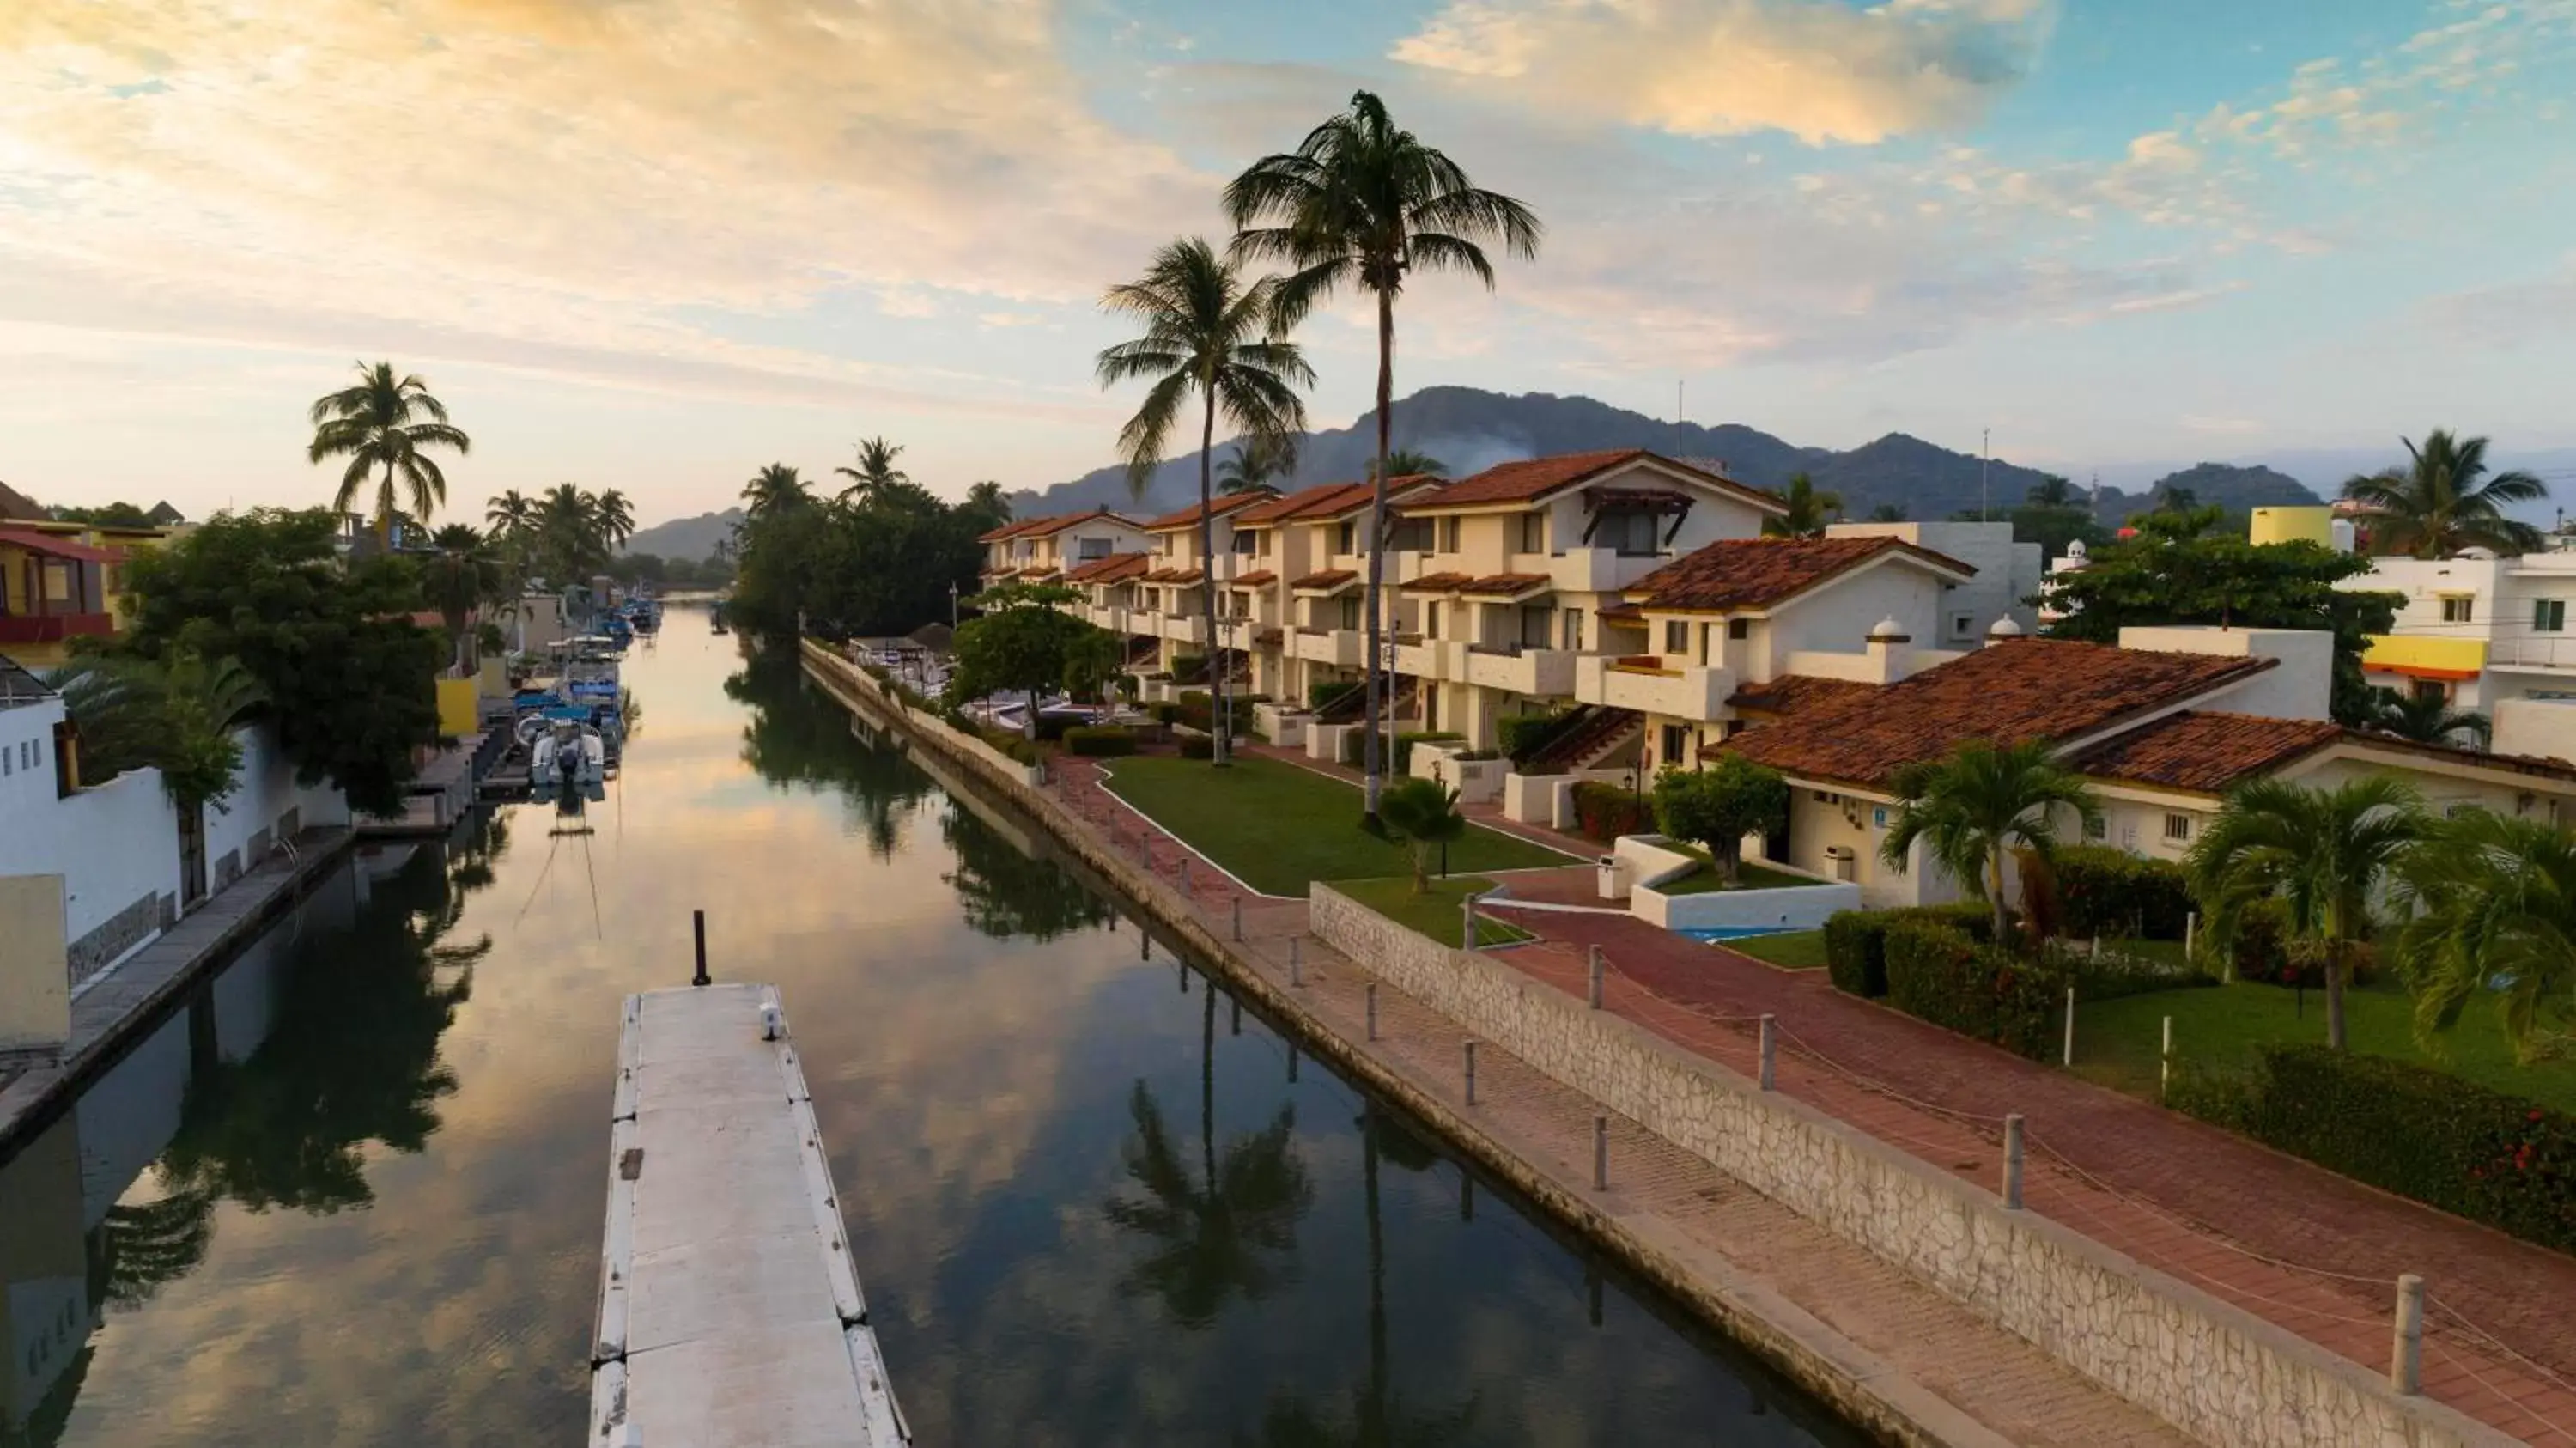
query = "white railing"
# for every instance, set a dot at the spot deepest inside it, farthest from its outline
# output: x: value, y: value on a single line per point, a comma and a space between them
x: 2533, y: 651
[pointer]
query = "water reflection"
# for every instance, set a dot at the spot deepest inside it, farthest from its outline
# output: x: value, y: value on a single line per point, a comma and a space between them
x: 797, y: 735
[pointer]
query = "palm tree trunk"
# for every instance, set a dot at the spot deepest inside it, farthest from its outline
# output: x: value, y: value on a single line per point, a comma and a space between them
x: 1207, y: 1084
x: 1995, y: 893
x: 1217, y: 719
x: 2334, y: 992
x: 1372, y: 764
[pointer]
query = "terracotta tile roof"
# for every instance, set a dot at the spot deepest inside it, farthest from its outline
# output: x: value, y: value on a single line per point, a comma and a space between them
x: 1037, y: 575
x: 2204, y: 753
x: 1504, y: 585
x: 1116, y: 568
x: 1257, y: 578
x: 1759, y: 572
x: 1011, y: 530
x: 2011, y: 690
x: 1325, y: 579
x: 1288, y: 505
x: 1437, y: 583
x: 1623, y: 613
x: 1000, y: 575
x: 1188, y: 517
x: 1043, y: 527
x: 1173, y: 575
x: 1535, y: 478
x: 1791, y: 695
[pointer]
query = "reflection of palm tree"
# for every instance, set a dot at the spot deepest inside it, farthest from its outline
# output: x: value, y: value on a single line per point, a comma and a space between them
x: 796, y: 736
x: 1009, y: 894
x: 136, y: 1250
x: 1217, y: 1235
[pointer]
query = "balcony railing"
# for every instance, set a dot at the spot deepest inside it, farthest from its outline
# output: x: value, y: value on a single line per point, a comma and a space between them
x: 53, y: 628
x: 1643, y: 684
x: 2533, y: 652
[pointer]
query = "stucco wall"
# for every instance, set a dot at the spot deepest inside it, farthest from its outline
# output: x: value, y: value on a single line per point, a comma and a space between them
x: 116, y: 847
x: 2213, y: 1371
x: 247, y: 826
x: 850, y: 676
x: 1838, y: 617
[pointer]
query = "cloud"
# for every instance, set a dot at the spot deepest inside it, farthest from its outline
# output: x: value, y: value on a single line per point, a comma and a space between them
x: 1821, y: 72
x: 2528, y: 311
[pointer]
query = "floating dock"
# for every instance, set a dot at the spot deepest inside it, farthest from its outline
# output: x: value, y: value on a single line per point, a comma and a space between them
x: 729, y: 1311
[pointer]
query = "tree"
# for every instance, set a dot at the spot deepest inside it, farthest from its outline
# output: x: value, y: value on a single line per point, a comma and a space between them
x: 2437, y: 505
x: 2322, y: 853
x: 2176, y: 498
x: 177, y: 715
x: 463, y: 575
x: 883, y: 564
x: 2491, y: 907
x: 1359, y: 206
x: 876, y: 472
x: 613, y: 517
x: 2170, y: 575
x: 1091, y: 663
x: 1982, y: 802
x: 1718, y: 806
x: 1019, y: 643
x: 987, y: 500
x: 1254, y: 462
x: 376, y: 425
x: 119, y: 514
x: 1809, y: 510
x: 1424, y: 814
x: 2051, y: 491
x: 775, y: 489
x: 1404, y: 462
x: 1887, y: 513
x: 572, y: 541
x: 2428, y: 719
x: 347, y: 672
x: 1008, y: 893
x: 1208, y: 335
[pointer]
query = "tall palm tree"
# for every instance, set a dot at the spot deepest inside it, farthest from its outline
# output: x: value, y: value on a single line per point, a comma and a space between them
x: 1809, y: 510
x: 568, y: 533
x: 378, y: 424
x: 176, y: 715
x: 510, y: 521
x: 1406, y: 462
x: 2492, y: 899
x: 2322, y: 853
x: 614, y: 517
x: 1358, y: 206
x: 1206, y: 334
x: 1887, y: 513
x: 2437, y: 505
x: 876, y: 472
x: 2427, y: 719
x: 1254, y: 462
x: 2051, y: 491
x: 1981, y: 803
x: 463, y: 575
x: 774, y: 490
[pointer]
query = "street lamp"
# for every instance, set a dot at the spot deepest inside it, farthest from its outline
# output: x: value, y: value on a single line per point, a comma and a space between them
x: 952, y: 605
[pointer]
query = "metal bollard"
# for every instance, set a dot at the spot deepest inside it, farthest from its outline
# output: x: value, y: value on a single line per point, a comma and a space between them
x: 2190, y: 934
x: 2406, y: 1349
x: 1592, y: 976
x: 1185, y: 876
x: 1471, y: 1073
x: 1372, y: 1010
x: 2070, y: 1027
x: 1601, y: 1153
x: 2012, y: 1161
x: 1296, y: 966
x: 1467, y: 927
x: 1181, y: 969
x: 2164, y: 1063
x: 1770, y: 1047
x: 1238, y: 918
x: 698, y: 924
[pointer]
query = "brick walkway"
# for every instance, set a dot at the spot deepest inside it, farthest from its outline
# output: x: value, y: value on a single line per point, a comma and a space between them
x: 2312, y: 1252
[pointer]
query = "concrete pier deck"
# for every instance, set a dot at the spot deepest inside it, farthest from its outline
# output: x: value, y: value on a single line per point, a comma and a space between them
x: 729, y: 1311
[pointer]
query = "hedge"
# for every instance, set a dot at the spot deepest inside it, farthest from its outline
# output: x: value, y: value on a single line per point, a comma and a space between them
x: 1319, y: 695
x: 1188, y: 668
x: 1937, y: 973
x: 1522, y: 734
x: 1604, y: 811
x: 1856, y: 940
x: 2445, y: 1142
x: 2103, y: 891
x: 1052, y: 727
x: 1197, y: 746
x: 1197, y: 709
x: 1403, y: 762
x: 1099, y: 741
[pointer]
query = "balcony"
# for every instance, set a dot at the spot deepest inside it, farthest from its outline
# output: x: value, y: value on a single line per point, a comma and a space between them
x: 1544, y: 673
x: 1599, y: 570
x: 1342, y: 648
x: 1688, y: 693
x: 2533, y: 652
x: 53, y: 628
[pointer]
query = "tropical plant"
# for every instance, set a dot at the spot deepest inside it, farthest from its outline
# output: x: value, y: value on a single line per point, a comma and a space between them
x: 2442, y: 501
x: 2491, y: 906
x: 2428, y: 719
x: 986, y: 500
x: 1254, y: 462
x: 510, y: 522
x: 1405, y: 462
x: 1809, y: 510
x: 2051, y: 491
x: 1021, y: 642
x: 1716, y: 807
x: 775, y: 489
x: 2177, y: 498
x: 1091, y: 661
x: 378, y: 424
x: 463, y: 575
x: 1359, y: 206
x: 614, y: 518
x: 1207, y: 334
x: 570, y: 538
x: 1887, y: 513
x: 2323, y: 854
x: 1423, y: 813
x: 176, y: 715
x: 876, y: 473
x: 1981, y: 802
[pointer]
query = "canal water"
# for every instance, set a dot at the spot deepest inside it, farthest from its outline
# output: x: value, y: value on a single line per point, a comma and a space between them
x: 351, y: 1192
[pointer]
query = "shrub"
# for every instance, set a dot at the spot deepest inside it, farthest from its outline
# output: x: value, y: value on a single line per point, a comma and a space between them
x: 1189, y: 668
x: 1319, y: 695
x: 1938, y: 973
x: 1523, y: 734
x: 1475, y: 756
x: 2103, y: 891
x: 2448, y: 1143
x: 1164, y: 711
x: 1604, y: 811
x: 1856, y: 940
x: 1402, y: 762
x: 1717, y: 807
x: 1053, y: 727
x: 1197, y: 746
x: 1197, y: 709
x: 1099, y: 741
x: 2116, y: 975
x: 2265, y: 952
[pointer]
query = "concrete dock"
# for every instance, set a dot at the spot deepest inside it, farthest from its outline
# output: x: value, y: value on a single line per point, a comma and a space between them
x: 729, y: 1311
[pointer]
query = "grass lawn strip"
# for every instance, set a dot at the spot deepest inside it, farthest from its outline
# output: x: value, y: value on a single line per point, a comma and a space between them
x: 1435, y: 912
x: 1277, y: 827
x: 1789, y: 949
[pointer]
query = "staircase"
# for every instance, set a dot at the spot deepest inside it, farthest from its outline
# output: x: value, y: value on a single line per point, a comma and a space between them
x: 1346, y: 707
x: 1592, y: 736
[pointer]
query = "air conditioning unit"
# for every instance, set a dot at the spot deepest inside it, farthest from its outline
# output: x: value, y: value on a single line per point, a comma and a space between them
x: 1838, y: 852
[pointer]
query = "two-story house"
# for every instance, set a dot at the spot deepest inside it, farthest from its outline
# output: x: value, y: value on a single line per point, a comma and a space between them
x: 1173, y: 592
x: 2478, y: 630
x: 1042, y: 550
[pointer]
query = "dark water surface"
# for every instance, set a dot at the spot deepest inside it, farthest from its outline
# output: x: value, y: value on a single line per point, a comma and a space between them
x: 351, y: 1194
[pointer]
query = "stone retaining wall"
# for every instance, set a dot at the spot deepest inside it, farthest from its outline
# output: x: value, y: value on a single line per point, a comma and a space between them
x: 852, y: 679
x: 2218, y: 1373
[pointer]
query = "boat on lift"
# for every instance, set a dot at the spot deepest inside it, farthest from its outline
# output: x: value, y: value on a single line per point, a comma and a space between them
x: 568, y: 757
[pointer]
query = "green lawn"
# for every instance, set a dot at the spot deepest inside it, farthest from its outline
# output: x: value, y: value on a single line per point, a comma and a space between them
x: 1748, y: 876
x: 1793, y: 949
x: 2116, y: 1041
x: 1434, y: 912
x: 1277, y: 827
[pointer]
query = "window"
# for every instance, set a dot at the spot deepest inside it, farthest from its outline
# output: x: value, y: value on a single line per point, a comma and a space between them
x: 1243, y: 545
x: 1262, y: 547
x: 2097, y: 828
x: 1534, y: 533
x: 1572, y: 619
x: 2459, y: 610
x: 1345, y: 538
x: 1962, y: 624
x: 1091, y: 549
x: 1350, y: 612
x: 1625, y: 530
x: 1676, y: 636
x: 1410, y: 535
x: 2177, y: 827
x: 1739, y: 628
x: 1431, y: 620
x: 1534, y: 626
x: 1163, y: 545
x: 2431, y: 689
x: 2549, y: 615
x: 1878, y: 817
x: 1675, y: 741
x: 1449, y: 535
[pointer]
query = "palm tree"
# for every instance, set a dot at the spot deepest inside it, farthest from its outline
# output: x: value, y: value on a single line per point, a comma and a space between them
x: 463, y: 575
x: 2321, y: 853
x: 1405, y: 462
x: 511, y: 522
x: 614, y: 517
x: 177, y: 716
x: 774, y: 490
x: 1254, y: 462
x: 1981, y: 803
x: 2051, y: 491
x: 1809, y: 510
x: 2437, y: 505
x: 1423, y: 814
x: 2427, y: 718
x: 1207, y: 333
x: 1359, y: 205
x: 876, y: 472
x: 2492, y: 899
x: 568, y: 533
x: 374, y: 425
x: 1887, y: 513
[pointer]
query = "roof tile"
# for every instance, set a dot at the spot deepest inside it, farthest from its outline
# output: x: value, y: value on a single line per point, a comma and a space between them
x: 1325, y: 578
x: 1224, y: 506
x: 2205, y: 752
x: 1758, y: 572
x: 1115, y: 568
x: 1504, y: 585
x: 1533, y: 478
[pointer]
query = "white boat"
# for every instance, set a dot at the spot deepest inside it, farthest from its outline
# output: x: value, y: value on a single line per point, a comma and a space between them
x: 569, y: 756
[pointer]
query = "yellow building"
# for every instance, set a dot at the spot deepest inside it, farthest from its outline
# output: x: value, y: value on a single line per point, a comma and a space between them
x: 61, y: 581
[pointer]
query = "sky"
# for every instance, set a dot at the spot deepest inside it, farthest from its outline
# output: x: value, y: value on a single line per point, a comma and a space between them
x: 655, y: 244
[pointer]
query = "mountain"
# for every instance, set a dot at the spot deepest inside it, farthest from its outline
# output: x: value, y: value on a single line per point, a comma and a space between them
x: 2226, y: 484
x: 694, y: 539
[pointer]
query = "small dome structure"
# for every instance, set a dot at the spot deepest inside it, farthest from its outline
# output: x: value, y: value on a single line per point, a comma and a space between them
x: 2004, y: 628
x: 1888, y: 631
x: 2077, y: 550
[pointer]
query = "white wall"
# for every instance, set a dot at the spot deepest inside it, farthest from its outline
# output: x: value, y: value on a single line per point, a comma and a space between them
x: 1837, y: 618
x: 27, y: 760
x: 263, y: 791
x: 113, y: 845
x: 2007, y: 573
x: 2301, y: 686
x: 2542, y: 727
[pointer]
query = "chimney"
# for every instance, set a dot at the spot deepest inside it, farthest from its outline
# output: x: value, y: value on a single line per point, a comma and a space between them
x: 1888, y: 647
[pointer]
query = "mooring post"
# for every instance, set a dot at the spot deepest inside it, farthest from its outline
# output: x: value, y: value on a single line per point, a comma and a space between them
x: 2190, y: 934
x: 1185, y: 877
x: 2070, y: 1026
x: 2406, y: 1351
x: 1372, y: 1010
x: 2164, y: 1064
x: 1233, y: 1016
x: 1471, y: 1073
x: 1238, y: 918
x: 1592, y: 976
x: 1466, y: 1197
x: 1296, y: 966
x: 698, y: 925
x: 1292, y: 1063
x: 1770, y: 1047
x: 1601, y: 1153
x: 2012, y: 1161
x: 1467, y: 928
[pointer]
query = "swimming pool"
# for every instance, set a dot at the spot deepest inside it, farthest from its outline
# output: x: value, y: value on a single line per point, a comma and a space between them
x: 1714, y: 933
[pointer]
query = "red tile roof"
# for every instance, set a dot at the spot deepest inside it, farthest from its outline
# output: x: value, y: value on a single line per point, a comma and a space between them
x: 1504, y: 585
x: 1325, y: 578
x: 1791, y: 695
x: 1112, y: 569
x: 2204, y: 752
x: 1623, y: 613
x: 1173, y: 575
x: 1042, y: 527
x: 1528, y: 481
x: 1759, y: 572
x: 2012, y: 690
x: 1256, y: 578
x: 1437, y: 583
x: 1188, y: 517
x: 1290, y: 505
x: 1009, y: 530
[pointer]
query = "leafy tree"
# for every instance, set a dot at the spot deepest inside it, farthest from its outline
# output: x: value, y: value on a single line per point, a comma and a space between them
x: 2491, y: 900
x: 1982, y: 802
x: 119, y: 514
x: 876, y: 472
x: 884, y: 564
x: 1254, y: 462
x: 1424, y: 814
x: 464, y: 574
x: 177, y: 715
x: 2322, y: 853
x: 1019, y: 643
x: 573, y: 537
x: 1210, y: 336
x: 990, y: 505
x: 1718, y: 806
x: 2170, y: 575
x: 347, y: 672
x: 1359, y: 206
x: 375, y: 424
x: 1809, y: 510
x: 1091, y: 662
x: 2437, y: 504
x: 2428, y: 719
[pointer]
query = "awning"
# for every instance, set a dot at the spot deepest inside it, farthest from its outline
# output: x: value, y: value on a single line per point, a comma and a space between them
x: 53, y: 547
x: 2423, y: 671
